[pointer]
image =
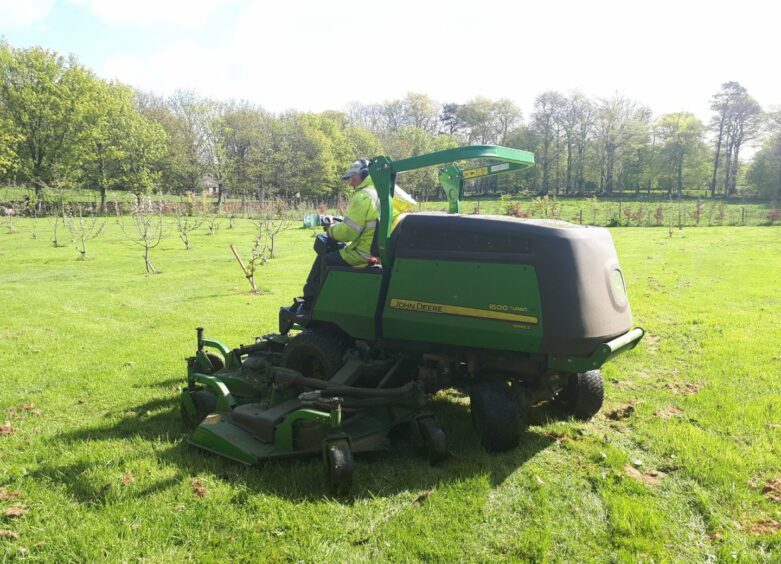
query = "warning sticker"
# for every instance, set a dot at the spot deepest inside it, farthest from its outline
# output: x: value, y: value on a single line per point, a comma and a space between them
x: 500, y: 167
x: 476, y: 172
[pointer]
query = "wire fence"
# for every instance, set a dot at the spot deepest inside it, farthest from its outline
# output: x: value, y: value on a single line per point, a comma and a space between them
x: 697, y: 213
x: 584, y: 211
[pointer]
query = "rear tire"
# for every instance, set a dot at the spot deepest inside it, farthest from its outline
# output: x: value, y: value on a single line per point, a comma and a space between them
x: 583, y: 395
x: 315, y: 354
x: 495, y: 415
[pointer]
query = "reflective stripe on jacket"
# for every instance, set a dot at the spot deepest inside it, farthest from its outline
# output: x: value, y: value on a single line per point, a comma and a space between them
x: 359, y: 224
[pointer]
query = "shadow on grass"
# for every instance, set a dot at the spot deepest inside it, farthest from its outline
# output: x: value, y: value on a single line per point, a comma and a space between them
x: 203, y: 297
x: 175, y: 382
x: 398, y: 469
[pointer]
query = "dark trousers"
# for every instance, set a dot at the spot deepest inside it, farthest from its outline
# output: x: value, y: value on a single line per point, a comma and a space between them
x: 317, y: 274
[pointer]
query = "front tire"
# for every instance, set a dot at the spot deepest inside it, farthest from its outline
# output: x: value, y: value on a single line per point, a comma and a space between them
x: 218, y: 363
x: 201, y: 403
x: 433, y: 439
x: 315, y: 354
x: 338, y: 460
x: 495, y: 415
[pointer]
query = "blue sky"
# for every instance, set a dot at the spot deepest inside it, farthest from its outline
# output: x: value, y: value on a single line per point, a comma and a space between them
x: 315, y: 55
x: 96, y: 35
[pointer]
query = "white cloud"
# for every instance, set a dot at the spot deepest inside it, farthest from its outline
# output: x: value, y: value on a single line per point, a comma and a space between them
x: 22, y: 13
x: 315, y: 55
x: 180, y: 65
x: 145, y: 13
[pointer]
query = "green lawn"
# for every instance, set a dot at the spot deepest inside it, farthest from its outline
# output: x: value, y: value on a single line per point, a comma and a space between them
x: 92, y: 360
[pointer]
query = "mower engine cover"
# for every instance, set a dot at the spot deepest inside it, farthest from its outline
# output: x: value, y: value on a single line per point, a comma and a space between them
x: 501, y: 283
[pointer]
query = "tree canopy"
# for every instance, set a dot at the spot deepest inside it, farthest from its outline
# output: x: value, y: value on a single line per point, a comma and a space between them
x: 61, y: 125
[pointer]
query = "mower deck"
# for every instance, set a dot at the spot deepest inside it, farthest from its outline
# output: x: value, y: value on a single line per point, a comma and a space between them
x: 244, y: 406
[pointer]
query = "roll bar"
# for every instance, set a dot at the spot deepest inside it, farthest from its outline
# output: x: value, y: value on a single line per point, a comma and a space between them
x: 383, y: 171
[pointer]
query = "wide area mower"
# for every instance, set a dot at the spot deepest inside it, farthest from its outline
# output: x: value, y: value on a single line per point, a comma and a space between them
x: 514, y: 311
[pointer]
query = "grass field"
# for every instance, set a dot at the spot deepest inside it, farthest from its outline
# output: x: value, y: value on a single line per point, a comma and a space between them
x: 93, y: 463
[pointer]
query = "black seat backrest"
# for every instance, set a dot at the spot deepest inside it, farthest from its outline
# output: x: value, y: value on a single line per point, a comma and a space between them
x: 375, y: 248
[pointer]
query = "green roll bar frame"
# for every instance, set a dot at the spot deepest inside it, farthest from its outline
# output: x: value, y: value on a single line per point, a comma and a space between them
x: 383, y: 170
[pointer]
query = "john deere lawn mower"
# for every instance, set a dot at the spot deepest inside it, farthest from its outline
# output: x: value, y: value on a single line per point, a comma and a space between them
x: 515, y: 311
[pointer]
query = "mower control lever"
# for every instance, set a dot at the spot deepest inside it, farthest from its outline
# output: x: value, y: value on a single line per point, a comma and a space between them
x: 329, y: 219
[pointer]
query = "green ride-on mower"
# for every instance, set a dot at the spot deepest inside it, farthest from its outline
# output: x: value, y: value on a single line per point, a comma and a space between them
x: 514, y: 311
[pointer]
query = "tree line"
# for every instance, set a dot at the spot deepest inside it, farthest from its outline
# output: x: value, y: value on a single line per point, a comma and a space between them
x: 61, y: 126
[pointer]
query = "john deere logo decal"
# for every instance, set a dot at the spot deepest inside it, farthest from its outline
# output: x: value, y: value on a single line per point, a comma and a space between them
x: 426, y: 307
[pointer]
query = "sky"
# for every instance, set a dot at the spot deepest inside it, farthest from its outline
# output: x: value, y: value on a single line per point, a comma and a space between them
x: 312, y: 55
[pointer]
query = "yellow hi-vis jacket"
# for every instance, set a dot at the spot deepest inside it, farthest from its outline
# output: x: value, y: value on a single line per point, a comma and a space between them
x: 362, y: 219
x: 359, y: 225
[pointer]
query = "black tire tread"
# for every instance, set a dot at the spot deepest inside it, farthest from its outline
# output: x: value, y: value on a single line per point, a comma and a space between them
x: 338, y: 459
x: 434, y: 440
x: 205, y: 403
x: 590, y: 394
x: 327, y: 347
x: 495, y: 415
x: 218, y: 363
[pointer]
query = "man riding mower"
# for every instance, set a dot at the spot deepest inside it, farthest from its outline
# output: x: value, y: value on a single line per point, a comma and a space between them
x: 350, y: 241
x: 515, y: 311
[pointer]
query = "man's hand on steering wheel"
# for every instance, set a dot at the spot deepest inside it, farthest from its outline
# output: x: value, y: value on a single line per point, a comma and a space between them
x: 328, y: 220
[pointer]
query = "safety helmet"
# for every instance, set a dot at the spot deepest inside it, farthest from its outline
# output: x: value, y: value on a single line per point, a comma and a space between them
x: 361, y: 166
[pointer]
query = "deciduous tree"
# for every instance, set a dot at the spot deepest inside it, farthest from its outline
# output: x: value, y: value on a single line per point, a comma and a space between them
x: 43, y: 97
x: 680, y: 135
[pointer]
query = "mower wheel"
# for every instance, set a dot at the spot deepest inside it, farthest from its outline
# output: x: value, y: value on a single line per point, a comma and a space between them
x: 338, y: 460
x: 495, y: 415
x: 217, y: 362
x: 203, y: 402
x: 583, y: 395
x: 315, y: 354
x: 434, y: 440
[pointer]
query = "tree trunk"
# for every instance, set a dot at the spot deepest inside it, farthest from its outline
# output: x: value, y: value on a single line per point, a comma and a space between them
x: 149, y: 268
x: 733, y: 183
x: 558, y: 163
x: 727, y: 167
x: 545, y: 166
x: 779, y: 173
x: 717, y: 155
x: 680, y: 178
x: 103, y: 200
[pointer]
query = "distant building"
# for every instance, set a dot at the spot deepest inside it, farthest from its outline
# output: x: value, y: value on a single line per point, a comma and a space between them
x: 210, y: 188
